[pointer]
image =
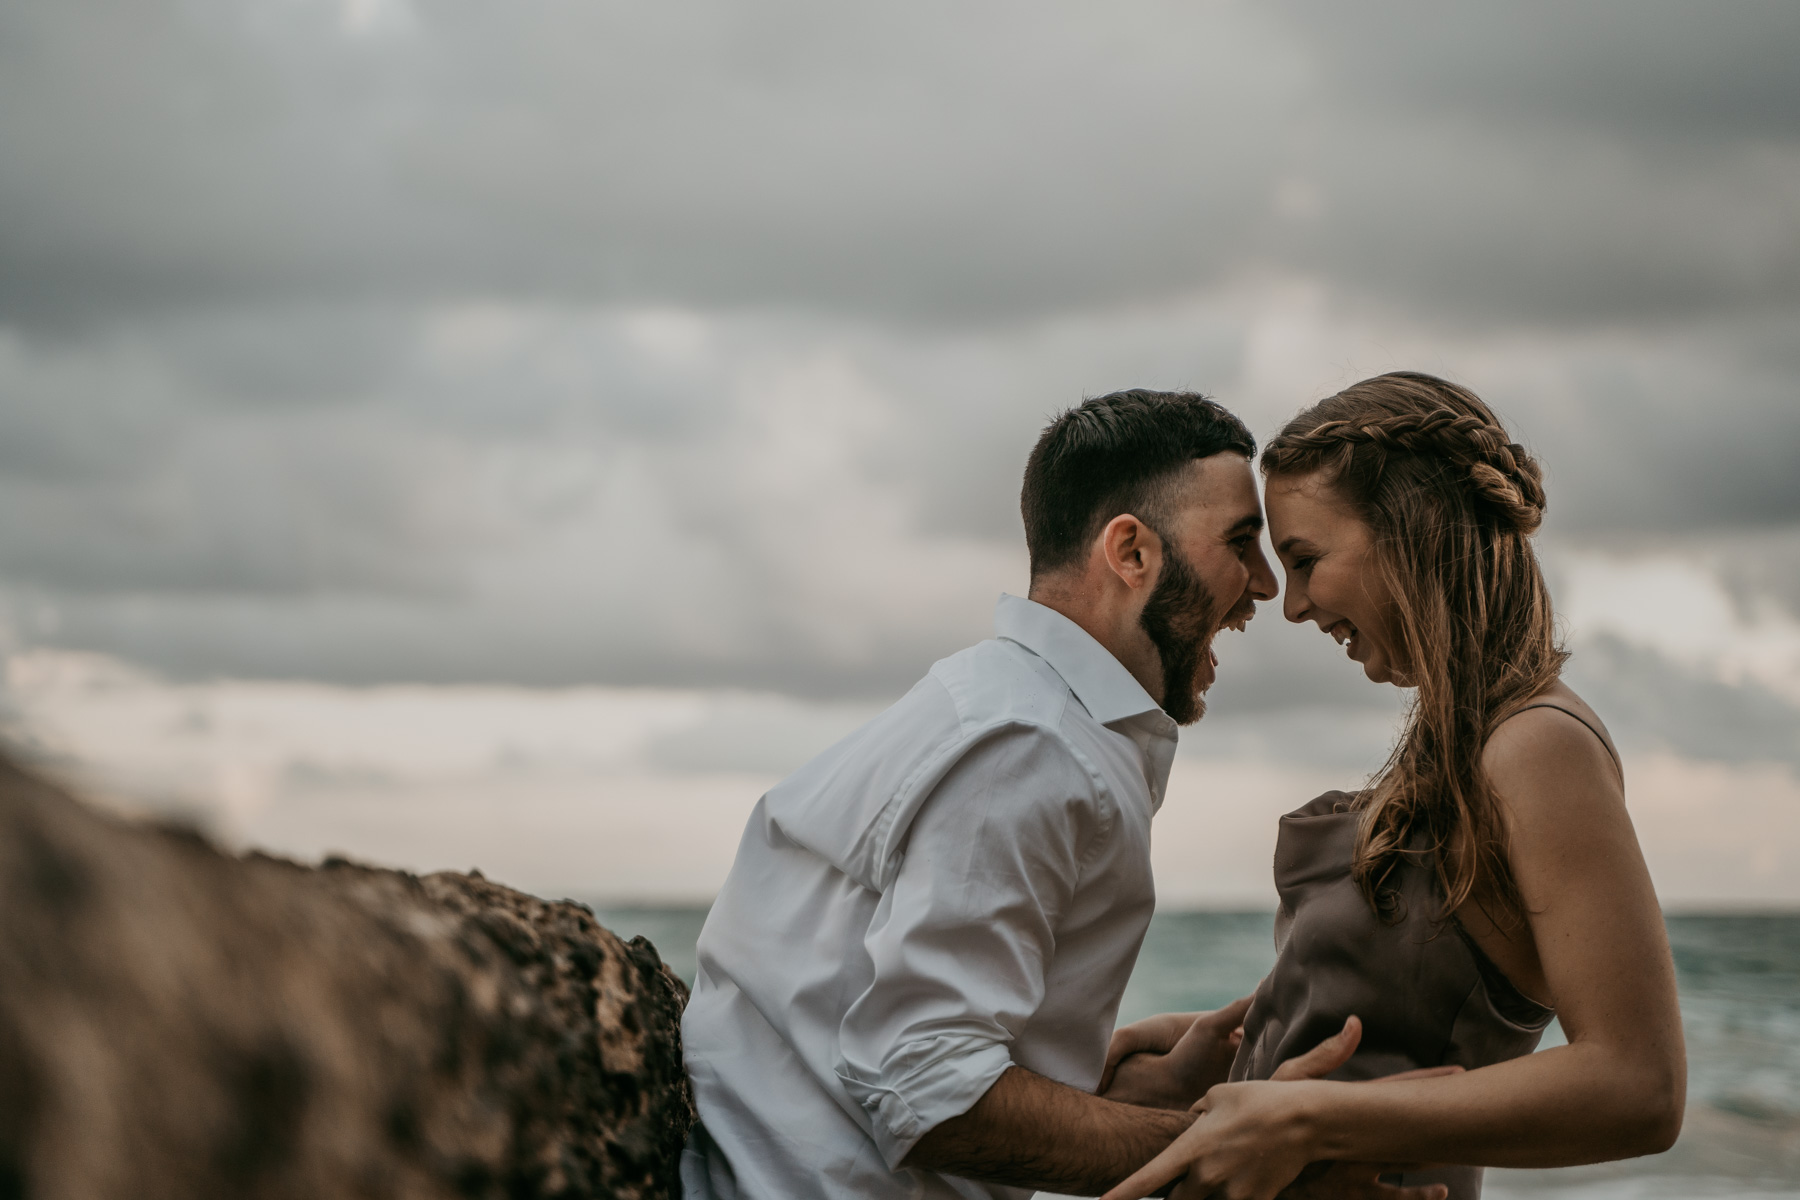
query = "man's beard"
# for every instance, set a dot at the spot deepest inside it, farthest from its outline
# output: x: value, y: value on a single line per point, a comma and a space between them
x: 1181, y: 617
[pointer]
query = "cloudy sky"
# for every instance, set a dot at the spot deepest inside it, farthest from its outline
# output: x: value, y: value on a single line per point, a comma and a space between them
x: 456, y: 432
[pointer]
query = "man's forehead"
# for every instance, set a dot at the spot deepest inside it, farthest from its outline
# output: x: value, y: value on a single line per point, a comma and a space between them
x: 1217, y: 499
x: 1220, y: 487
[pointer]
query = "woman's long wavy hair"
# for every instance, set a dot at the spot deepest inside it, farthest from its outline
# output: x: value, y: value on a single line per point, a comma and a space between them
x: 1452, y: 502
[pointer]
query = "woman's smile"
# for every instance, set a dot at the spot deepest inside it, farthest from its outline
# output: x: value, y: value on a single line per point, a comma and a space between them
x: 1332, y: 576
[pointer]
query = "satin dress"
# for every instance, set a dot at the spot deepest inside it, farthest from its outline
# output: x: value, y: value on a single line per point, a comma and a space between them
x: 1426, y: 993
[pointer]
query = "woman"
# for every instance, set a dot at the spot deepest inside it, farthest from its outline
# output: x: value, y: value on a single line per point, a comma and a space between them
x: 1487, y: 878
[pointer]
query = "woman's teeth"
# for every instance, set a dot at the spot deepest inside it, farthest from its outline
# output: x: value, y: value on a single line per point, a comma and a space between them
x: 1344, y: 632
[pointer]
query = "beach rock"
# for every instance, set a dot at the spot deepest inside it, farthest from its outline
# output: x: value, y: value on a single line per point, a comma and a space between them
x: 177, y: 1022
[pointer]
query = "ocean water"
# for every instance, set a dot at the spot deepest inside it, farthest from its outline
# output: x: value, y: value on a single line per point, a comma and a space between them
x: 1739, y: 977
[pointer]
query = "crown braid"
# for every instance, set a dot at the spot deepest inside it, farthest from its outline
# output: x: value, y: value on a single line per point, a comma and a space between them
x: 1498, y: 471
x: 1450, y: 501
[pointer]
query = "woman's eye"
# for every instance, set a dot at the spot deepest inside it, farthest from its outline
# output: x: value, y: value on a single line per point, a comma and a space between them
x: 1304, y: 564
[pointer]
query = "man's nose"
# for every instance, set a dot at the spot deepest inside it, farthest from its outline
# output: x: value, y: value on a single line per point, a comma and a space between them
x: 1262, y: 576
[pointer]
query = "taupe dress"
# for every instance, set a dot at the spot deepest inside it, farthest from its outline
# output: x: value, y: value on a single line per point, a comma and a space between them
x: 1427, y: 995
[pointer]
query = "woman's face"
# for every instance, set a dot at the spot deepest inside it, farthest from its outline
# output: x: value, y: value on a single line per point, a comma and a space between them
x: 1333, y: 581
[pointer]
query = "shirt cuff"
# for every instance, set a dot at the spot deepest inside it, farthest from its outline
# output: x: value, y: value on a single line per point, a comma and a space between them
x: 923, y: 1084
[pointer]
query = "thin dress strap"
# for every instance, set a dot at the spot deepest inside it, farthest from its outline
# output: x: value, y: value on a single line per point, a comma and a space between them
x: 1606, y: 745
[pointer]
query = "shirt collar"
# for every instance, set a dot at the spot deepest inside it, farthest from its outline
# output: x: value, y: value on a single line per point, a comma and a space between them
x: 1105, y: 688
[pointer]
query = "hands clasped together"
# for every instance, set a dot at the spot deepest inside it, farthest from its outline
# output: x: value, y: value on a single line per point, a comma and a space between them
x: 1252, y: 1141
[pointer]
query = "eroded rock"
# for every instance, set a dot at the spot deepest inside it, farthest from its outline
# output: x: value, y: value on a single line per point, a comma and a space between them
x: 176, y: 1022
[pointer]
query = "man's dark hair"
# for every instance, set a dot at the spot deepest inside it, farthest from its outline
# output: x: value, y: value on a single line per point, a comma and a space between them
x: 1116, y: 454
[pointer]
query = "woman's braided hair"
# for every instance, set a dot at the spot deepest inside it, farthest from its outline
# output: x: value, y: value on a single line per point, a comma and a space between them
x: 1452, y: 501
x: 1498, y: 472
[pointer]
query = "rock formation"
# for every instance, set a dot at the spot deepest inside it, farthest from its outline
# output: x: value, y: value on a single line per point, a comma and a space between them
x: 177, y: 1023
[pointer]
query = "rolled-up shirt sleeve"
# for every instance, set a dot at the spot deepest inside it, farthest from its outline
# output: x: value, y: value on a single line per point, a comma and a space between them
x: 963, y: 935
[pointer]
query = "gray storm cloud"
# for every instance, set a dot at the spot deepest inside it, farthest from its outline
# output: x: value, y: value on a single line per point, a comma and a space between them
x: 1537, y: 162
x: 369, y: 339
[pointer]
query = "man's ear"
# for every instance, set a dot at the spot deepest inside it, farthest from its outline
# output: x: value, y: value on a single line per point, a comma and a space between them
x: 1131, y: 550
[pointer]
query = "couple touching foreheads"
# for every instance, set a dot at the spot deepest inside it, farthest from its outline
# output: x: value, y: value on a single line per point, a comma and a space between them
x: 908, y: 983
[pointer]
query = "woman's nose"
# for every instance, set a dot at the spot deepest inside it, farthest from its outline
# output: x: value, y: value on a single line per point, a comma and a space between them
x: 1294, y: 605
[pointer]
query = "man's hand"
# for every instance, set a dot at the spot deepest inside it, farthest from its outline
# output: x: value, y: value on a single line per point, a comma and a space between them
x: 1152, y: 1035
x: 1249, y: 1143
x: 1169, y: 1061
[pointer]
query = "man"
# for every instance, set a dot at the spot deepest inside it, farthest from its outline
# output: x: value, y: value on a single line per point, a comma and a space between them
x: 908, y: 980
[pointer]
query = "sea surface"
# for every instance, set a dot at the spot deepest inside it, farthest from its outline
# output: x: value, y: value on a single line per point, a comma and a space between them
x: 1739, y: 977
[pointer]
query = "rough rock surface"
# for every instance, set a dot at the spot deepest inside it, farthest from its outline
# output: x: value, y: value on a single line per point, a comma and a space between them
x: 179, y: 1023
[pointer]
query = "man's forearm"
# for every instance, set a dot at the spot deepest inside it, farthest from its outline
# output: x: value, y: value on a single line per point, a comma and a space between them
x: 1028, y: 1131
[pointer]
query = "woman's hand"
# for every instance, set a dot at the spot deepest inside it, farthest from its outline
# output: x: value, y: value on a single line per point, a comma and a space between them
x: 1216, y: 1151
x: 1169, y: 1061
x: 1249, y: 1143
x: 1254, y: 1139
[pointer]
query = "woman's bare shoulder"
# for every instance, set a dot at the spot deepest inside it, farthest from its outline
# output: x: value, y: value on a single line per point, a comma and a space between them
x: 1560, y: 693
x: 1553, y: 733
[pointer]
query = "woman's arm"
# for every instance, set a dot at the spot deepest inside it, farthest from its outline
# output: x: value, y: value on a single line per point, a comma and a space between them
x: 1615, y: 1091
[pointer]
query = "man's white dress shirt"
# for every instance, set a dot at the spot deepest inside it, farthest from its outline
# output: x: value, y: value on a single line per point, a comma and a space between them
x: 959, y: 886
